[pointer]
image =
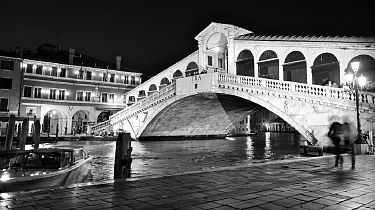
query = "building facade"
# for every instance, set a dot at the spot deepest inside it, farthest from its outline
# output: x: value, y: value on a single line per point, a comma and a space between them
x: 64, y: 89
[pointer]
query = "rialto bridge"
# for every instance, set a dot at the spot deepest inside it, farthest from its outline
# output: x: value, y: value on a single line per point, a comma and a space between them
x: 235, y: 72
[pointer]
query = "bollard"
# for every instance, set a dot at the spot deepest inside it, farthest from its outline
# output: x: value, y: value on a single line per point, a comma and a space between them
x: 123, y: 156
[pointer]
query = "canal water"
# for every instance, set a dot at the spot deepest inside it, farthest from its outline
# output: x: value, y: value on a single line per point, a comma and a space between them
x: 160, y: 158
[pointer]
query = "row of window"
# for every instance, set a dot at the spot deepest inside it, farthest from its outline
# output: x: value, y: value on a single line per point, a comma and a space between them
x: 61, y: 94
x: 80, y: 74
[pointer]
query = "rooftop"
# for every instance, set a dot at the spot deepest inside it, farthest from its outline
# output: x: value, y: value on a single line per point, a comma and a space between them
x: 295, y: 38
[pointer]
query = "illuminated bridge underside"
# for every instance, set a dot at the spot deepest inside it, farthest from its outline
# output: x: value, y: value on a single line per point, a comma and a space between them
x: 201, y: 115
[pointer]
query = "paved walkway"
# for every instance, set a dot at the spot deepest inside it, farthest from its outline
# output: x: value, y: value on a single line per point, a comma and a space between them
x: 294, y: 184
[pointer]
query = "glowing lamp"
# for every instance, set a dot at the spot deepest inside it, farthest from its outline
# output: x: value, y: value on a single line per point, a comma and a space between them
x: 355, y: 66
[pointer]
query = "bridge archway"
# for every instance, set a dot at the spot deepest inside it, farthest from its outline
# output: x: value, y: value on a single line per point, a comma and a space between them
x: 191, y: 69
x: 153, y: 88
x: 217, y: 42
x: 164, y: 82
x: 211, y: 114
x: 294, y: 67
x: 269, y: 65
x: 366, y: 68
x: 325, y: 67
x: 177, y: 74
x: 245, y: 63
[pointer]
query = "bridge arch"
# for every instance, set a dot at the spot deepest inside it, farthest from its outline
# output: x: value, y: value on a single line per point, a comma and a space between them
x: 366, y: 68
x: 169, y: 106
x: 217, y: 42
x: 191, y: 69
x: 153, y: 88
x: 268, y: 65
x: 325, y: 67
x: 245, y: 63
x: 295, y: 67
x: 164, y: 82
x: 177, y: 74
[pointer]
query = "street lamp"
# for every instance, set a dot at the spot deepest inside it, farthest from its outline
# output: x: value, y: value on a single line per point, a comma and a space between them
x: 358, y: 82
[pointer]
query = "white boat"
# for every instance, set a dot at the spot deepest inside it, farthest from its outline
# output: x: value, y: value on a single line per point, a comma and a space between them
x: 41, y: 168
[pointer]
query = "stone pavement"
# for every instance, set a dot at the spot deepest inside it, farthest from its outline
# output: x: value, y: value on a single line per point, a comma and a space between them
x: 311, y: 183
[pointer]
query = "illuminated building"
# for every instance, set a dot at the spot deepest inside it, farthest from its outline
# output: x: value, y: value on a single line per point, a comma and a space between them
x: 64, y: 89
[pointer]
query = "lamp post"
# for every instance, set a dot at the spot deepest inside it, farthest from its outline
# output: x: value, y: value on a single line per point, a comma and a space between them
x: 358, y: 82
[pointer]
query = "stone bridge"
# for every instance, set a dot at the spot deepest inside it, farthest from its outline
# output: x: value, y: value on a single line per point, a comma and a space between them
x: 211, y: 104
x: 235, y: 72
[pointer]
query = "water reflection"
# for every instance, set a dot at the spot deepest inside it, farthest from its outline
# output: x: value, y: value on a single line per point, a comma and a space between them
x: 158, y: 158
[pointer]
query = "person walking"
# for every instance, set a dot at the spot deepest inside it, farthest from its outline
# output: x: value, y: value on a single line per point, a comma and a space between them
x: 336, y: 134
x: 347, y: 135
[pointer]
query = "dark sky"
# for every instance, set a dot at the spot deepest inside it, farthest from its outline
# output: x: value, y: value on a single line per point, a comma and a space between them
x: 151, y: 35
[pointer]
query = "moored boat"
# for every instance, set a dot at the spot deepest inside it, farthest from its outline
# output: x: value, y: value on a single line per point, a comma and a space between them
x: 41, y: 168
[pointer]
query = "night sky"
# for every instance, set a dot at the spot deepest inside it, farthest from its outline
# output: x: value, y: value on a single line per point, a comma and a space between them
x: 150, y: 36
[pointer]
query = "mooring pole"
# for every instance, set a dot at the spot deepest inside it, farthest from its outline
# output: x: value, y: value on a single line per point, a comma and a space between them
x: 123, y: 156
x: 10, y: 132
x: 36, y: 134
x: 25, y: 129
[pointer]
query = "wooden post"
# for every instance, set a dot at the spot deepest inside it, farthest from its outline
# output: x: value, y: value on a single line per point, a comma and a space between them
x: 36, y: 134
x: 25, y: 129
x: 19, y: 129
x: 123, y: 156
x: 10, y: 132
x: 57, y: 131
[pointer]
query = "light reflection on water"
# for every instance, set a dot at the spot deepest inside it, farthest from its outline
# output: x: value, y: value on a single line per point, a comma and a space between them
x: 159, y: 158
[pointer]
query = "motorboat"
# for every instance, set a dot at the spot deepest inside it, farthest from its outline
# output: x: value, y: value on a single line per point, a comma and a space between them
x: 42, y: 168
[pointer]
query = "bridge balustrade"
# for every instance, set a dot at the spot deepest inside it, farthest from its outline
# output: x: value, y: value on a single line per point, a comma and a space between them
x: 136, y: 107
x: 305, y: 89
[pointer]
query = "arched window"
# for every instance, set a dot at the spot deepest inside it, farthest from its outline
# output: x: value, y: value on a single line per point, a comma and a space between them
x: 295, y: 67
x: 366, y: 68
x: 269, y: 65
x: 245, y: 63
x: 325, y: 68
x: 164, y: 81
x: 192, y: 69
x: 153, y: 88
x: 177, y: 74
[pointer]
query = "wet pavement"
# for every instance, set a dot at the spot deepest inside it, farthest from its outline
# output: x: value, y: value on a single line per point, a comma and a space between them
x: 288, y: 184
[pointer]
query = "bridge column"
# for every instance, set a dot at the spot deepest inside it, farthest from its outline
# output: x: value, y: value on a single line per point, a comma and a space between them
x: 281, y: 71
x: 231, y: 55
x: 201, y: 55
x: 309, y: 71
x: 342, y: 66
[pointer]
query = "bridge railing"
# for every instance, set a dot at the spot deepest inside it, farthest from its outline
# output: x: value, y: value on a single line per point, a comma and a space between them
x: 305, y: 89
x: 166, y: 91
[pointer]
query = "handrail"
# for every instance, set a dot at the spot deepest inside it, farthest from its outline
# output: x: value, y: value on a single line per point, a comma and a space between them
x: 305, y: 89
x: 167, y: 90
x: 146, y: 101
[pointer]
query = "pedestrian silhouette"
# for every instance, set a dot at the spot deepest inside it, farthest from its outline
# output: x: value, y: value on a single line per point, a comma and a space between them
x: 347, y: 135
x: 336, y: 134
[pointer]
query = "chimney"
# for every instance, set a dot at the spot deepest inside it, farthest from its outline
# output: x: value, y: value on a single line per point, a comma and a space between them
x: 71, y: 55
x: 17, y: 51
x: 118, y: 62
